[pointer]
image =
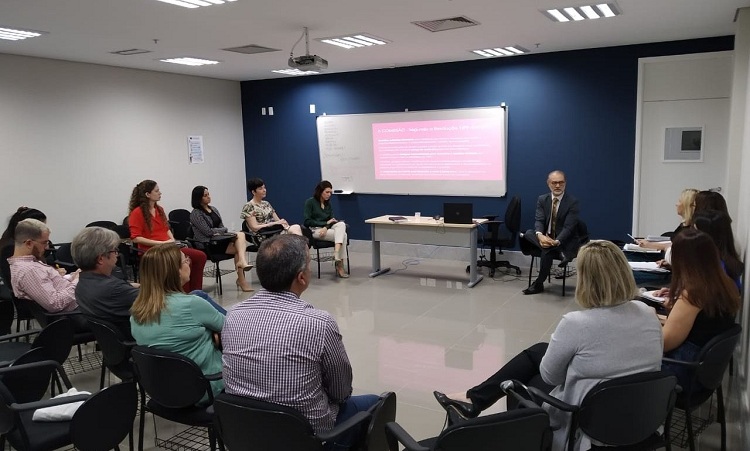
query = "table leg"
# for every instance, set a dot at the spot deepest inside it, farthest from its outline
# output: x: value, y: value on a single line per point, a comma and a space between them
x: 474, y: 276
x: 376, y: 271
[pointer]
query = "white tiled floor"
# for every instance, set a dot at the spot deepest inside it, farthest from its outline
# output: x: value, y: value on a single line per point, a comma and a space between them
x: 421, y: 329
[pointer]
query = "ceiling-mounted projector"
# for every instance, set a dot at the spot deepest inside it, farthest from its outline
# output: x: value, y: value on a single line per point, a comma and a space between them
x: 308, y: 62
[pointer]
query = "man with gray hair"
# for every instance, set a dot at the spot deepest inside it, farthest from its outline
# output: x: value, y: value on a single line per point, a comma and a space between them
x: 280, y: 349
x: 32, y: 278
x: 100, y: 294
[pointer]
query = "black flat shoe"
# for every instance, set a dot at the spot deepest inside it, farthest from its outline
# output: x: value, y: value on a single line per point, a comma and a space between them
x: 465, y: 409
x: 534, y: 289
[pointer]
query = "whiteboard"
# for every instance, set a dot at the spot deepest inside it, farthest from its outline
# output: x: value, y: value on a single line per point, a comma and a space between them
x: 458, y: 152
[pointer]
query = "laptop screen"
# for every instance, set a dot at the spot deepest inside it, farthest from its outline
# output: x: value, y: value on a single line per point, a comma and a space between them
x: 458, y: 213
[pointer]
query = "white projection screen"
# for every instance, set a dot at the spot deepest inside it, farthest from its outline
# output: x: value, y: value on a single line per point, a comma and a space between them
x: 459, y: 152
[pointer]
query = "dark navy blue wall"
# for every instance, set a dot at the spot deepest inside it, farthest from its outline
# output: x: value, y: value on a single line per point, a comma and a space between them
x: 573, y: 111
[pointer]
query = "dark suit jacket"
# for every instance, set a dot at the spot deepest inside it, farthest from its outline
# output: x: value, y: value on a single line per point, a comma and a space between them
x: 567, y: 218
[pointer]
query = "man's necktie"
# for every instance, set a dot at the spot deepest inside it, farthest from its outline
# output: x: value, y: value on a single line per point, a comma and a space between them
x: 555, y: 202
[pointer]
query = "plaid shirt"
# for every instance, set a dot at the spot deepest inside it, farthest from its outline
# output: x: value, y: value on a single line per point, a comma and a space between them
x: 35, y: 280
x: 278, y: 348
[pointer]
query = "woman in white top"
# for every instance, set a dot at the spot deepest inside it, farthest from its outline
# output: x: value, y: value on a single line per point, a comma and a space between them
x: 259, y: 214
x: 611, y: 337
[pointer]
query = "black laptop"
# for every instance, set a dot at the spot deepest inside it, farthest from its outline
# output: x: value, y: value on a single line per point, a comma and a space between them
x: 458, y: 213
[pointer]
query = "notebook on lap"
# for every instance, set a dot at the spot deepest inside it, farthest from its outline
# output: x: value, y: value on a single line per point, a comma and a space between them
x: 458, y: 213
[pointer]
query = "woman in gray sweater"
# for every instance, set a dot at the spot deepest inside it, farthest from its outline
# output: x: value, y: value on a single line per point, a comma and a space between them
x: 611, y: 337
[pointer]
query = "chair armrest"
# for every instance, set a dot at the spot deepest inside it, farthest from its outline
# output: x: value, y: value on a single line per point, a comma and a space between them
x: 680, y: 362
x: 129, y: 343
x: 394, y: 431
x: 25, y: 333
x: 48, y: 403
x: 213, y: 377
x: 355, y: 421
x: 551, y: 400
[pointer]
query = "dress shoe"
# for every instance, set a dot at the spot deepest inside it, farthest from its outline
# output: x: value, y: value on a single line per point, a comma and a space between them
x: 340, y: 271
x: 534, y: 289
x: 565, y: 260
x: 465, y: 409
x: 246, y: 268
x: 243, y: 288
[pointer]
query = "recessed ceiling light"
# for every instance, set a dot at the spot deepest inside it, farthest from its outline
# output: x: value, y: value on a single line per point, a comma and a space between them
x: 189, y: 61
x: 511, y: 50
x: 295, y: 72
x: 195, y: 3
x: 354, y: 40
x: 15, y: 34
x: 583, y: 12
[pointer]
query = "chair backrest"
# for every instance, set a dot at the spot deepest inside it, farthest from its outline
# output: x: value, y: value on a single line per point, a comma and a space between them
x: 105, y: 419
x: 121, y: 230
x: 714, y: 357
x: 382, y: 413
x: 179, y: 219
x: 56, y: 340
x: 114, y: 348
x: 170, y: 379
x: 513, y: 216
x: 7, y: 313
x: 249, y: 424
x: 526, y: 429
x: 629, y: 409
x: 582, y: 231
x: 28, y: 377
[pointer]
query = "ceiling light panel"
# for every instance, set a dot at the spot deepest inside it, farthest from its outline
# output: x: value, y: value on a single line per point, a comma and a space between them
x: 15, y: 34
x: 294, y: 72
x: 511, y: 50
x: 195, y: 3
x: 582, y: 12
x: 353, y: 41
x: 189, y: 61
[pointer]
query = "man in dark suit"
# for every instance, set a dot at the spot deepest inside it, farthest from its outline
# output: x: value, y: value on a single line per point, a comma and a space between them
x: 555, y: 228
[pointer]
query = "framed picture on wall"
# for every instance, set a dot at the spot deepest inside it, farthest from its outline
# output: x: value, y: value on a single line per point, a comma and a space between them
x: 683, y: 144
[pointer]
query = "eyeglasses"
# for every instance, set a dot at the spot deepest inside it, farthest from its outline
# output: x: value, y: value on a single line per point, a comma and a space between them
x: 557, y: 183
x: 114, y: 251
x: 43, y: 243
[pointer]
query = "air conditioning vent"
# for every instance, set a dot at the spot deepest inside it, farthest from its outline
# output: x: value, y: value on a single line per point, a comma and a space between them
x: 251, y: 49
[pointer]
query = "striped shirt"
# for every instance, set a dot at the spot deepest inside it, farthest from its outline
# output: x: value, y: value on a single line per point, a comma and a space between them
x: 278, y: 348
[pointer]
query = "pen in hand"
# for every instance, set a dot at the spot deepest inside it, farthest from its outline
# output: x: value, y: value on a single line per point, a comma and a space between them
x: 632, y: 238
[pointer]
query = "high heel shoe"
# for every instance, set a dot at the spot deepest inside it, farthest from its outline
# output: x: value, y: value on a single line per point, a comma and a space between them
x: 465, y: 409
x: 246, y: 267
x: 243, y: 289
x: 340, y: 272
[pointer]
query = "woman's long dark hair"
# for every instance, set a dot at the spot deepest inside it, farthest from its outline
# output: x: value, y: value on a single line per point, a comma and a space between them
x: 718, y: 225
x: 196, y: 198
x: 9, y: 235
x: 710, y: 200
x: 319, y: 188
x: 138, y: 199
x: 698, y: 276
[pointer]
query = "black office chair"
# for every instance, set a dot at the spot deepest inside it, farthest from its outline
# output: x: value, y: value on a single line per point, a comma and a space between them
x: 254, y: 239
x: 382, y: 413
x: 175, y: 385
x: 105, y: 419
x: 527, y: 248
x: 115, y: 349
x: 64, y: 257
x: 214, y: 251
x: 179, y: 220
x: 501, y: 237
x: 23, y: 313
x: 81, y: 331
x: 317, y: 244
x: 624, y: 413
x: 524, y: 429
x: 246, y: 424
x: 707, y: 374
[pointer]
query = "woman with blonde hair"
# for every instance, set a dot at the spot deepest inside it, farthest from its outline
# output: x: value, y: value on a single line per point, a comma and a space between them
x: 163, y: 317
x: 587, y: 347
x: 685, y: 208
x: 149, y: 226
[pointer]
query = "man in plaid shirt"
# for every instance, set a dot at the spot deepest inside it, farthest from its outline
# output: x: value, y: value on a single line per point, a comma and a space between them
x: 280, y: 349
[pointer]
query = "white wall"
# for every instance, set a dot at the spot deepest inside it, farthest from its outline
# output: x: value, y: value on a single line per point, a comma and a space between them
x: 76, y: 138
x: 679, y: 91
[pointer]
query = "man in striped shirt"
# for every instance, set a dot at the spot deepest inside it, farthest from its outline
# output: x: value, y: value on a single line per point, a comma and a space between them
x: 280, y: 349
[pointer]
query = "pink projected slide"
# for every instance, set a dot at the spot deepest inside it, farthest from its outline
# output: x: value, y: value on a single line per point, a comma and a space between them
x: 459, y: 149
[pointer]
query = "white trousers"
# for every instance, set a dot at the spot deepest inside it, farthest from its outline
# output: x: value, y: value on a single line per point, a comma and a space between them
x: 335, y: 233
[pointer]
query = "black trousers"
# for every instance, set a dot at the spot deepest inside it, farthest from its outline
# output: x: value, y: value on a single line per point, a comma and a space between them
x: 549, y: 254
x: 524, y: 368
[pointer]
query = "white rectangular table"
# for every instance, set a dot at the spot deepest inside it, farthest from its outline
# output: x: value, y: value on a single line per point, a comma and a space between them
x: 420, y: 230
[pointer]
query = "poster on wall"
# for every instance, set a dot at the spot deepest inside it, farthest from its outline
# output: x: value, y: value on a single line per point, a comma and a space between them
x: 195, y: 149
x: 683, y: 144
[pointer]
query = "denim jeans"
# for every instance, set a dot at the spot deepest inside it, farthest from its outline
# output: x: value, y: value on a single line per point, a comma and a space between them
x: 348, y: 409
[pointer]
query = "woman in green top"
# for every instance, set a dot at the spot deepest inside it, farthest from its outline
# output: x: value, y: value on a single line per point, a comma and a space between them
x: 319, y: 218
x: 164, y: 317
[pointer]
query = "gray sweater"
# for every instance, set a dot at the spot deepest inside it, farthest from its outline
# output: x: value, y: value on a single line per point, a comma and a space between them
x: 593, y: 345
